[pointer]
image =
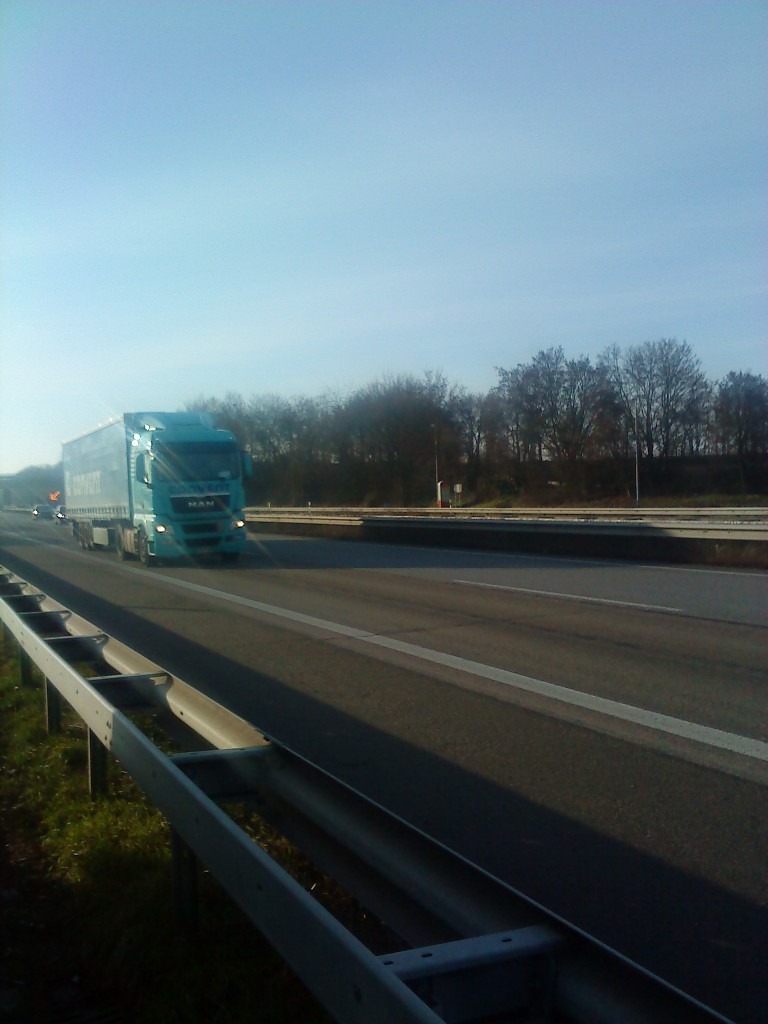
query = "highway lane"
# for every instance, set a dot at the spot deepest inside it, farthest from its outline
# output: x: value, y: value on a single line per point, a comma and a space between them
x: 720, y: 594
x: 371, y: 660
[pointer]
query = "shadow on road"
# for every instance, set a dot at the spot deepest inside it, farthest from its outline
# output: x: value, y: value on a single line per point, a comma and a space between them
x: 705, y: 940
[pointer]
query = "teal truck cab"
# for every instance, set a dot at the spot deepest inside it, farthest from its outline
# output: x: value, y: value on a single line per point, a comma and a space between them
x: 159, y: 486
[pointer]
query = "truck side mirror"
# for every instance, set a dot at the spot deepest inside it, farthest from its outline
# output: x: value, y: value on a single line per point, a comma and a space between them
x: 142, y: 470
x: 247, y: 461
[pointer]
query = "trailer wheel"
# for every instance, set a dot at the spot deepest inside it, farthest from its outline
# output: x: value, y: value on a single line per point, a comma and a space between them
x: 122, y: 554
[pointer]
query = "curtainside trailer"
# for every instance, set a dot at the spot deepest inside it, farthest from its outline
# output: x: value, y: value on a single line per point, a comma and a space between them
x: 159, y: 486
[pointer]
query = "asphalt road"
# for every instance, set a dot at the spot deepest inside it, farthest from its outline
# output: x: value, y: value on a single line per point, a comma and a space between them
x: 595, y: 734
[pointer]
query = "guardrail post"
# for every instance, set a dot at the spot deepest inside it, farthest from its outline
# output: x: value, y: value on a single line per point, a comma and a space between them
x: 52, y: 708
x: 97, y: 766
x: 185, y: 883
x: 25, y: 668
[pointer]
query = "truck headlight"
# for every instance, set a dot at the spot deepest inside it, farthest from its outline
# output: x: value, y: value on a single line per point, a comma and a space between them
x: 163, y: 528
x: 238, y: 522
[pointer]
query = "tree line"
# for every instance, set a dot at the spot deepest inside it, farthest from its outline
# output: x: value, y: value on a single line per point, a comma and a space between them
x: 551, y: 427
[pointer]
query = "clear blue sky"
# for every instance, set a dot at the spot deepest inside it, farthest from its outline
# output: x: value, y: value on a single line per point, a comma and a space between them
x: 300, y: 197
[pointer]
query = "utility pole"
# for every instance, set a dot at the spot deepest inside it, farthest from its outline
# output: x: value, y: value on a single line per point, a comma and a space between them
x: 637, y: 457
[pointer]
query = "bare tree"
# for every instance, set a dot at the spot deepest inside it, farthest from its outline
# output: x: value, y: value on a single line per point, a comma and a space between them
x: 681, y: 387
x: 661, y: 385
x: 612, y: 366
x: 519, y: 390
x: 741, y: 414
x: 556, y: 407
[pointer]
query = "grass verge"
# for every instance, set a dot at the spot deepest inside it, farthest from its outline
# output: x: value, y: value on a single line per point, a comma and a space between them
x: 87, y: 923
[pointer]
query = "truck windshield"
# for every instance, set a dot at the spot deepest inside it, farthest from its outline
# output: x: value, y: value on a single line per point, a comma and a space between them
x: 195, y: 460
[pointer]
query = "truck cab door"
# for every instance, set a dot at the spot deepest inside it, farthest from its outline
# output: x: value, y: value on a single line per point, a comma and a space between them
x: 143, y: 470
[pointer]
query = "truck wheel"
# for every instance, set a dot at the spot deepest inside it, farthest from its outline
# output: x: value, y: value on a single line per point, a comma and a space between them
x: 146, y: 559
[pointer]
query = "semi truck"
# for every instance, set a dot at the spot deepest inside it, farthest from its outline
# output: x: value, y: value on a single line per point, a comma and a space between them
x: 157, y: 486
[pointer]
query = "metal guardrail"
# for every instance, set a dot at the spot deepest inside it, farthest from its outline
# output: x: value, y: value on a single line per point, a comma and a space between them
x: 724, y: 536
x: 733, y: 537
x: 718, y: 515
x: 475, y: 949
x: 733, y: 514
x: 748, y: 530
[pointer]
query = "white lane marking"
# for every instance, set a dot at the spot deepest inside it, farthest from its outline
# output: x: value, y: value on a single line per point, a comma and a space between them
x: 569, y: 597
x: 639, y: 716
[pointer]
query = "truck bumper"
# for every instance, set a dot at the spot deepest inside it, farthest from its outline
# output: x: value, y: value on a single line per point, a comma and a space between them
x: 172, y: 546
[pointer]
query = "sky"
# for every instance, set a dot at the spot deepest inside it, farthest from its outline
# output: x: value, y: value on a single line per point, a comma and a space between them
x: 302, y: 197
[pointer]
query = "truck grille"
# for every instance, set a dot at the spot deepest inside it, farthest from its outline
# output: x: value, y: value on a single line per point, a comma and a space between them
x: 194, y: 529
x: 200, y: 504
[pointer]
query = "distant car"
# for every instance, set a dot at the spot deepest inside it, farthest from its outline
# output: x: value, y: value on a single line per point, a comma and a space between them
x: 42, y: 512
x: 61, y: 514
